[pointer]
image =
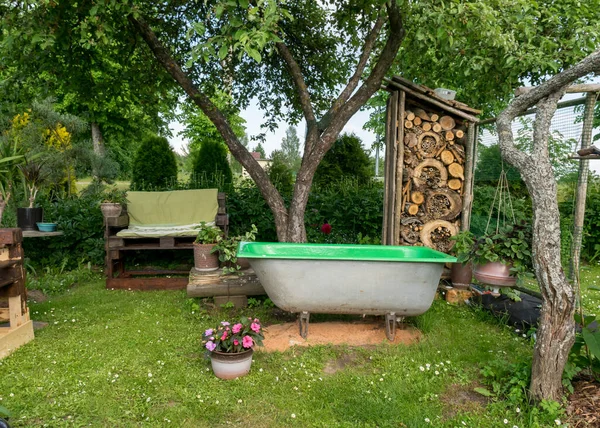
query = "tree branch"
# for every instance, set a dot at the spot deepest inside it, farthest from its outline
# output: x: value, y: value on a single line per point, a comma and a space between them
x: 299, y: 82
x: 238, y: 151
x: 360, y: 67
x: 373, y: 81
x: 524, y: 102
x: 543, y: 117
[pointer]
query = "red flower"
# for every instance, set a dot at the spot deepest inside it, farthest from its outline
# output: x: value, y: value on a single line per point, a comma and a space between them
x: 326, y: 228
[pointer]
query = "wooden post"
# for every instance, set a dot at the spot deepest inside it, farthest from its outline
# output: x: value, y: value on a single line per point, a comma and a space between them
x: 471, y: 143
x: 584, y: 167
x: 390, y: 170
x: 399, y: 203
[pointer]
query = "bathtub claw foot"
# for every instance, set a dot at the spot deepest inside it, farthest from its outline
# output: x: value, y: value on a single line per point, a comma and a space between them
x: 390, y: 326
x: 303, y: 322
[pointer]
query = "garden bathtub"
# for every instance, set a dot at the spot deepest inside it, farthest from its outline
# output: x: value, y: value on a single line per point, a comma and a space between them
x: 347, y: 279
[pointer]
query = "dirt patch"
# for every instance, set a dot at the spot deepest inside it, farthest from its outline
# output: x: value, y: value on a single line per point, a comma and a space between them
x: 346, y: 360
x: 462, y: 398
x: 280, y: 337
x: 36, y: 296
x: 584, y: 404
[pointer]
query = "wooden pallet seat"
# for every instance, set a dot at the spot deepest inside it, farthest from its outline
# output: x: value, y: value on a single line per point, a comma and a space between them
x: 159, y: 221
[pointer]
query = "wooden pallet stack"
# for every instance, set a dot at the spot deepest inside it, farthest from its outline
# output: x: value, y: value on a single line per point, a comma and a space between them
x: 429, y: 167
x: 13, y: 294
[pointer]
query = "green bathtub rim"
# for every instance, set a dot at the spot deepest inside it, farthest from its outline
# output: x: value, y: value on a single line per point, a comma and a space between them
x: 354, y: 252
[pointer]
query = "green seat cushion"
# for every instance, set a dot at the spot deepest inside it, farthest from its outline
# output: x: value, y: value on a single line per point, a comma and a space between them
x: 174, y: 208
x: 161, y: 230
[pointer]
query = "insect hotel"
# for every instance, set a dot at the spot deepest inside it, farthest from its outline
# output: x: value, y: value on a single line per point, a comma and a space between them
x: 429, y: 164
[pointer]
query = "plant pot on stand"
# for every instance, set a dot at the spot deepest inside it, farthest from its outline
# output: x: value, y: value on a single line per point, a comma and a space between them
x: 496, y: 274
x: 205, y: 260
x: 111, y: 209
x: 27, y: 218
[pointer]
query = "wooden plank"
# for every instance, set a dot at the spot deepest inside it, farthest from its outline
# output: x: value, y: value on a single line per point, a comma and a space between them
x: 573, y: 89
x: 8, y: 263
x: 471, y: 143
x: 154, y: 246
x: 167, y: 242
x: 390, y: 168
x: 9, y: 275
x: 130, y: 273
x: 12, y: 338
x: 4, y: 315
x: 146, y: 284
x: 38, y: 234
x: 10, y: 236
x: 431, y: 93
x: 398, y: 202
x: 386, y: 166
x: 209, y: 284
x: 436, y: 103
x: 121, y: 221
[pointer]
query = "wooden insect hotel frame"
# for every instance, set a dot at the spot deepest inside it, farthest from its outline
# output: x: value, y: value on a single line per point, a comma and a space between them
x: 13, y: 295
x: 429, y: 164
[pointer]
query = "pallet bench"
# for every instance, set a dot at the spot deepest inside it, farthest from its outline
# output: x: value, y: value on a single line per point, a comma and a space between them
x: 13, y: 294
x: 147, y: 223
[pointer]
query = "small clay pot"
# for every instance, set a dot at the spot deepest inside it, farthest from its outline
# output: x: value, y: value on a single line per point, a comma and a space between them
x: 204, y: 259
x: 461, y: 275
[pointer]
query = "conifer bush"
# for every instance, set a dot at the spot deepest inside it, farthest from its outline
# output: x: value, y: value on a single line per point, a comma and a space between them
x: 154, y: 166
x: 211, y: 161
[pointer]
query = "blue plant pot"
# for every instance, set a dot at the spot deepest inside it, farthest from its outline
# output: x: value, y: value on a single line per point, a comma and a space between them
x: 46, y: 227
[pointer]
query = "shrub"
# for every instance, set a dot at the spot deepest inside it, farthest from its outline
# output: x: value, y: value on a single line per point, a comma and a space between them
x: 80, y: 220
x: 346, y: 159
x: 211, y: 160
x: 154, y: 167
x: 246, y: 206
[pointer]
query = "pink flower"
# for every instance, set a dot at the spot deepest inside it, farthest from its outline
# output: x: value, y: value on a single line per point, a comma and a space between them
x: 326, y: 228
x: 224, y: 323
x: 208, y: 332
x: 247, y: 342
x: 255, y: 327
x: 237, y: 328
x: 210, y: 346
x: 236, y: 342
x: 224, y: 336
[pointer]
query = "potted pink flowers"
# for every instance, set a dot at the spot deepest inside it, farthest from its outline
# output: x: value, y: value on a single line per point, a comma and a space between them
x: 230, y: 346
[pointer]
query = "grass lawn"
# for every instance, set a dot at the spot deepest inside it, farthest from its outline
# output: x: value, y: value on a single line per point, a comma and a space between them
x: 117, y: 358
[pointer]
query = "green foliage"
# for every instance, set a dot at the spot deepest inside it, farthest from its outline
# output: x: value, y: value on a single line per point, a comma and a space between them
x: 346, y: 159
x: 464, y: 242
x: 353, y: 211
x: 211, y: 161
x: 154, y: 166
x: 585, y: 352
x: 115, y: 195
x: 81, y: 221
x: 246, y: 206
x: 57, y: 280
x: 227, y: 248
x: 280, y: 173
x: 590, y: 248
x: 208, y: 234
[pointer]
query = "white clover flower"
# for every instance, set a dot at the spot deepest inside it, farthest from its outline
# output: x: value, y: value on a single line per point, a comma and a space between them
x: 422, y: 368
x: 518, y: 410
x: 437, y: 373
x: 240, y: 400
x: 149, y: 374
x: 557, y: 421
x: 505, y: 421
x: 293, y: 416
x: 427, y: 420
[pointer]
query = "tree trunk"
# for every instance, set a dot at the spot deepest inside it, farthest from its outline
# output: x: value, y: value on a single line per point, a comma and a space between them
x: 556, y: 332
x: 97, y: 139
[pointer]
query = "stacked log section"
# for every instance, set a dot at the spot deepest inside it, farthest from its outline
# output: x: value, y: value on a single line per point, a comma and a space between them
x: 432, y: 179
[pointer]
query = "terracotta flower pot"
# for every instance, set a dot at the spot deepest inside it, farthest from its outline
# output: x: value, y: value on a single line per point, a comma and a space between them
x: 110, y: 209
x: 231, y: 366
x: 204, y: 260
x: 494, y: 273
x: 461, y: 275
